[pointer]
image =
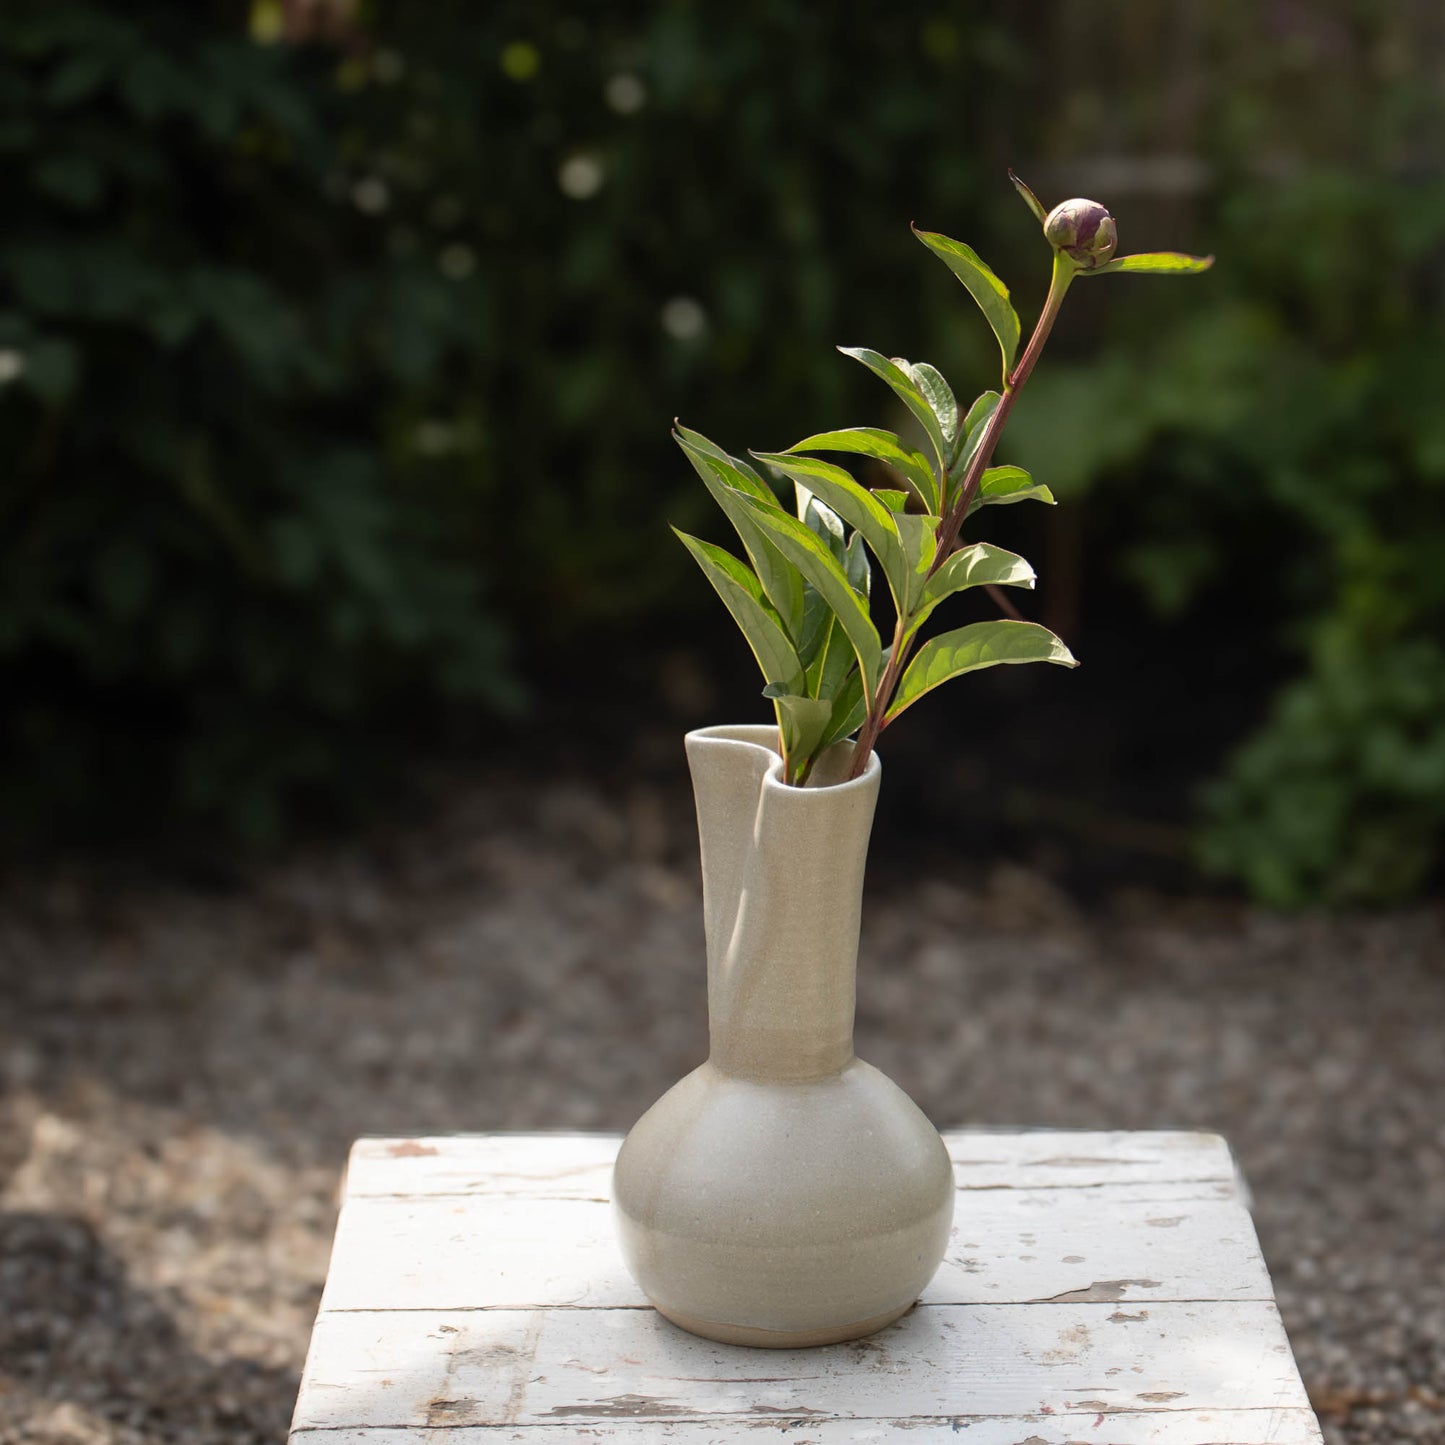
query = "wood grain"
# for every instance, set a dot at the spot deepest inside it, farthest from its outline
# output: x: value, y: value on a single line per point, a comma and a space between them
x: 1105, y: 1287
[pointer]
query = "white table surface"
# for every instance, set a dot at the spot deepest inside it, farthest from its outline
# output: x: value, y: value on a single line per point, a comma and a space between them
x: 1099, y: 1287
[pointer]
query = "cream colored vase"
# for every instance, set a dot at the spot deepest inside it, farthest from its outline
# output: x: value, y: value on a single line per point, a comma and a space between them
x: 784, y: 1193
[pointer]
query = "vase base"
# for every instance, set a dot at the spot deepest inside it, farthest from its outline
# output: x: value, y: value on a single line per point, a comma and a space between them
x: 761, y: 1339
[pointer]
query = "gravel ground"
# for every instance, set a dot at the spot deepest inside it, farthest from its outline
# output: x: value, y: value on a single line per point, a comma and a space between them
x: 183, y: 1072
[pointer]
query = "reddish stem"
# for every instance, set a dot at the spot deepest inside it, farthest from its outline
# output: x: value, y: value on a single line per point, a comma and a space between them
x: 948, y: 530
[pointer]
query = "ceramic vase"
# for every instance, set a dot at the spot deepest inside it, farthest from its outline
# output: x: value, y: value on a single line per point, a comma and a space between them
x: 784, y: 1193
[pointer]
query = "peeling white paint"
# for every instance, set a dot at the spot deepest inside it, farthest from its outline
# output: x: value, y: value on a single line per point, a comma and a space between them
x: 476, y: 1295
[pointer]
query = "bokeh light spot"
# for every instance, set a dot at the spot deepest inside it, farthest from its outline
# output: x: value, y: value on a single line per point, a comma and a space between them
x: 625, y: 93
x: 580, y: 177
x: 683, y: 318
x: 521, y: 60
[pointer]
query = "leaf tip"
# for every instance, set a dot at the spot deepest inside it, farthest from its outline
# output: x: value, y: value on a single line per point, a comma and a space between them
x: 1029, y: 199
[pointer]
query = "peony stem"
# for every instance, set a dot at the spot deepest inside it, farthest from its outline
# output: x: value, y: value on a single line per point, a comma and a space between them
x: 1064, y: 272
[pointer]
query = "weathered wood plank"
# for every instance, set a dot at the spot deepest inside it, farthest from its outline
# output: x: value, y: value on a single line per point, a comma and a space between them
x: 1008, y: 1246
x: 1100, y: 1286
x: 1062, y: 1246
x: 459, y: 1252
x: 1086, y: 1159
x: 590, y: 1367
x: 559, y: 1166
x: 573, y: 1166
x: 1267, y: 1426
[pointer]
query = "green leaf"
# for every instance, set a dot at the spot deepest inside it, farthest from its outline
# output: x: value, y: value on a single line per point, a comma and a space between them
x: 730, y: 480
x: 1030, y: 200
x: 855, y: 565
x: 893, y: 499
x: 979, y: 565
x: 856, y: 505
x: 802, y: 722
x: 834, y: 665
x: 829, y: 655
x: 966, y: 649
x: 979, y: 413
x: 850, y: 707
x: 985, y: 288
x: 813, y: 634
x: 939, y: 395
x: 822, y: 519
x: 883, y: 446
x: 825, y: 650
x: 1155, y: 263
x: 974, y: 426
x: 909, y: 393
x: 920, y: 546
x: 742, y: 594
x: 813, y: 559
x: 1000, y: 486
x: 818, y: 620
x: 746, y: 479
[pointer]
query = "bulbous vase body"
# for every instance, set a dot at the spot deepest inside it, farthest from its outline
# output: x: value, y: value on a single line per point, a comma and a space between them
x: 784, y: 1193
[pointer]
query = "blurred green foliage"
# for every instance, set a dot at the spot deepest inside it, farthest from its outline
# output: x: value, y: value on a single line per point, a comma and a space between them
x: 319, y: 317
x: 209, y: 571
x: 338, y: 344
x: 1293, y: 432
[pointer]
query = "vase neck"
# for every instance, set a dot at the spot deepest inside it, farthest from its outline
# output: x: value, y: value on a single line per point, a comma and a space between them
x: 782, y: 893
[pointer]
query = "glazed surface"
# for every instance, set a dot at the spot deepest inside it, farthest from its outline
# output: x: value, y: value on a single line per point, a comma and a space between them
x: 784, y: 1190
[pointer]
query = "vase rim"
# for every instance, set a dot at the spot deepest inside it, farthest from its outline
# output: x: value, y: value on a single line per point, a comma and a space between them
x: 765, y: 737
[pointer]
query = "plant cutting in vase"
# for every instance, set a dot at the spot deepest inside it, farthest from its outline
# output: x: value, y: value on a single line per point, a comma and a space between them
x: 786, y: 1193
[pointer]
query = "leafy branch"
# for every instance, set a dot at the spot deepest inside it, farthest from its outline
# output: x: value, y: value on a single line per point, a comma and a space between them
x: 803, y: 603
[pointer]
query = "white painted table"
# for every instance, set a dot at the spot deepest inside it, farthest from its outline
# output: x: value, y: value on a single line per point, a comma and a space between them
x: 1105, y: 1288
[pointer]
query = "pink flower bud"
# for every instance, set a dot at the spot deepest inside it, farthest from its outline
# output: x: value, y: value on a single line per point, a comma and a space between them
x: 1083, y: 230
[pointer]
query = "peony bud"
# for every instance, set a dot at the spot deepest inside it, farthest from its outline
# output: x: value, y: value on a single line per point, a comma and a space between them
x: 1084, y: 231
